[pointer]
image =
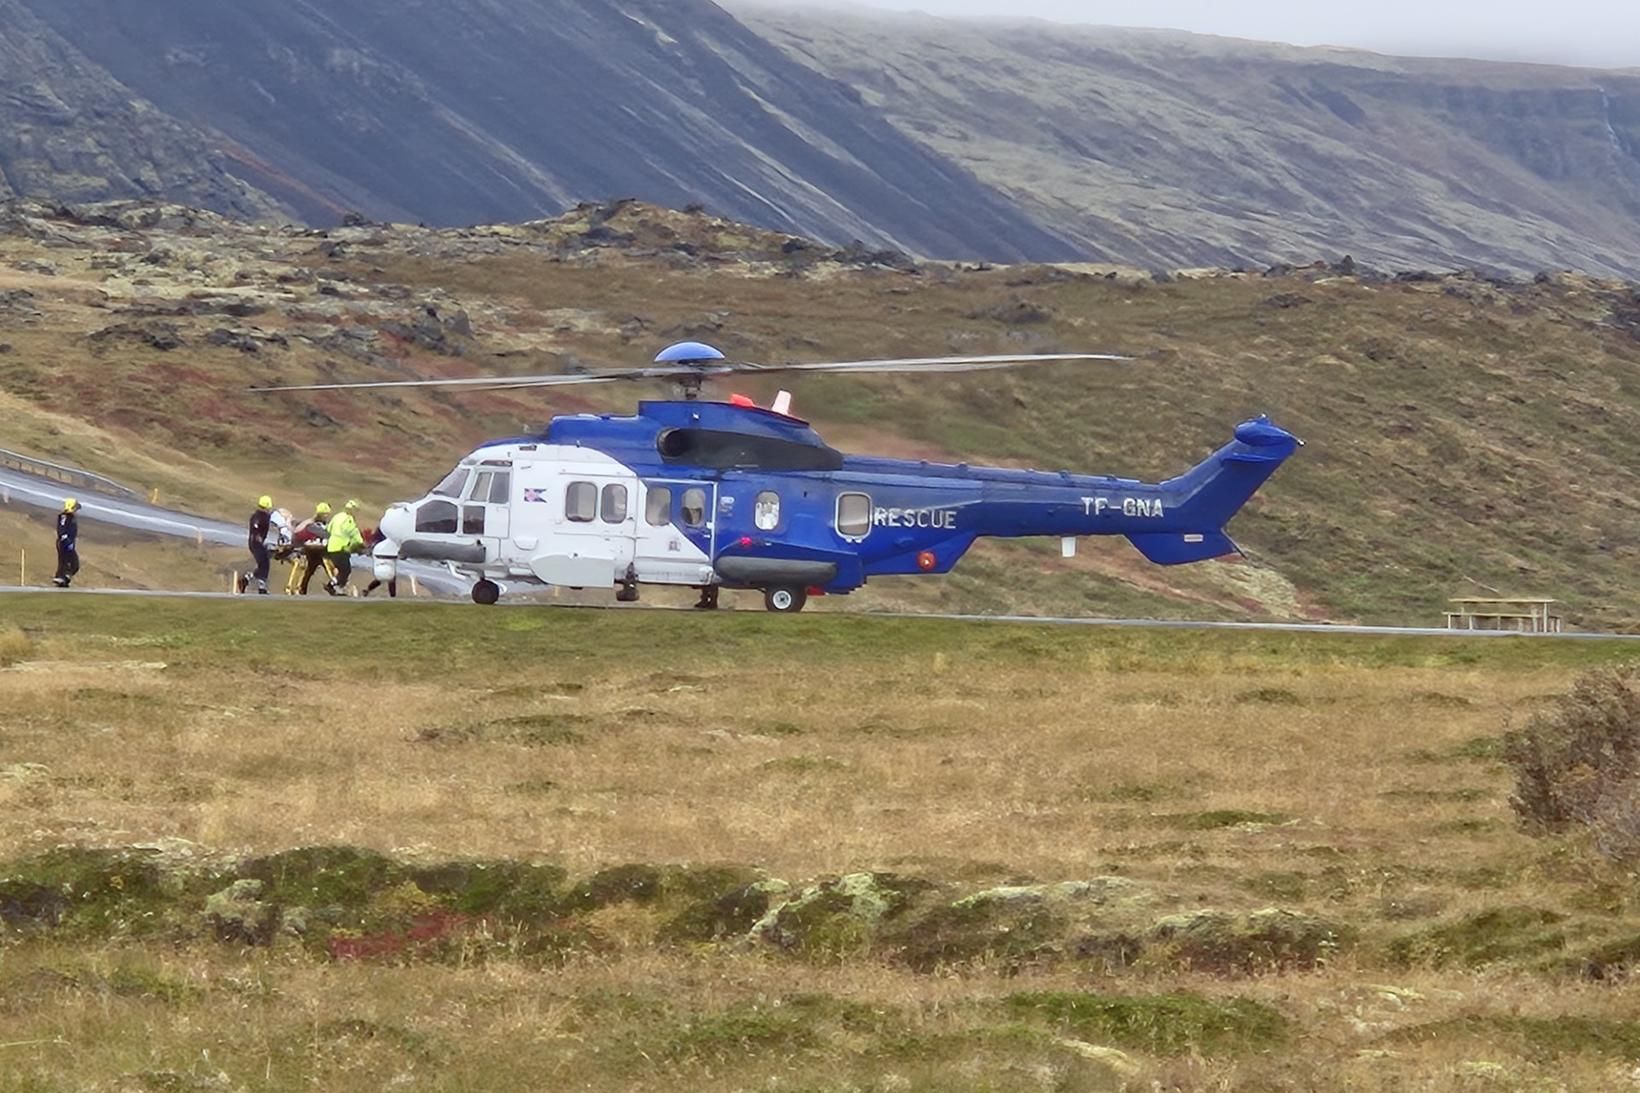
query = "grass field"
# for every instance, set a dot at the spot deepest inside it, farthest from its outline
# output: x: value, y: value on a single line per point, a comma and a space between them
x: 271, y: 846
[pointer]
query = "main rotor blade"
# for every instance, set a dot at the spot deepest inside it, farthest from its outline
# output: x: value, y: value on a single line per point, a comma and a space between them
x: 709, y: 369
x: 928, y: 364
x: 495, y: 383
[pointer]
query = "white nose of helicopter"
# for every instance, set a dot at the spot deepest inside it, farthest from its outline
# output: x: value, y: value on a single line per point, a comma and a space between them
x: 398, y: 522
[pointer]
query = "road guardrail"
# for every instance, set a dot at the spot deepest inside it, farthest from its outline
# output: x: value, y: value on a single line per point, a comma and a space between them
x: 68, y: 476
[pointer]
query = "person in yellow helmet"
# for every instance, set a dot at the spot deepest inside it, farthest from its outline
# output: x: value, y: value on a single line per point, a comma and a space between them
x: 313, y: 537
x: 258, y: 528
x: 68, y: 543
x: 345, y: 539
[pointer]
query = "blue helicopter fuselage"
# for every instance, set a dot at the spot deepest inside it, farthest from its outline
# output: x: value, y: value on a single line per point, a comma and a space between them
x: 837, y: 520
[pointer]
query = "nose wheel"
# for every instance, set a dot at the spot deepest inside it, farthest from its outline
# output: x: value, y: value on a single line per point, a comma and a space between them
x: 486, y: 592
x: 784, y: 599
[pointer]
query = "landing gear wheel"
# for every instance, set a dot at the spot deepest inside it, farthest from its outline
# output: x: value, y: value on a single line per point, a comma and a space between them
x: 784, y: 599
x: 486, y: 592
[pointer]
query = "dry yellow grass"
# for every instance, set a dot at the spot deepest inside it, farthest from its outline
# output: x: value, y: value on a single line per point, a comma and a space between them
x: 1343, y: 777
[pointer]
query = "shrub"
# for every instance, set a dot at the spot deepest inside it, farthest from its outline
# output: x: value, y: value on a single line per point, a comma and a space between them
x: 1577, y: 764
x: 14, y: 647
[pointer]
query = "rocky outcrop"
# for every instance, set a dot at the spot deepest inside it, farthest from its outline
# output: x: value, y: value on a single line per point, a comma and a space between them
x: 70, y: 130
x: 473, y: 111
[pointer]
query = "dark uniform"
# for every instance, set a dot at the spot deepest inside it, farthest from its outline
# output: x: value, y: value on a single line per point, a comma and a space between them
x: 258, y: 544
x: 68, y: 547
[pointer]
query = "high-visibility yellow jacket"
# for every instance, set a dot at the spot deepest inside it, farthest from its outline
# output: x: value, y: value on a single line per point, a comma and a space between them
x: 344, y: 534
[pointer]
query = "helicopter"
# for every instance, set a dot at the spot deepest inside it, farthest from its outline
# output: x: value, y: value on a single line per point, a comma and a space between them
x: 714, y: 495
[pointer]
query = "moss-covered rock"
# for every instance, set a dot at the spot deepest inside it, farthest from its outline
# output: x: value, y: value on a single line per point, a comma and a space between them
x: 1492, y: 936
x: 726, y: 914
x: 341, y: 877
x: 237, y: 913
x: 1010, y: 932
x: 837, y: 917
x: 99, y: 893
x: 1617, y: 959
x: 509, y: 890
x: 620, y: 884
x: 1161, y: 1024
x: 1242, y: 943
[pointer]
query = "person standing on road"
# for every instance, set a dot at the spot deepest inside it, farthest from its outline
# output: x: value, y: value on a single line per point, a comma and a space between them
x: 385, y: 563
x: 68, y: 543
x: 260, y: 523
x: 344, y: 540
x: 312, y: 536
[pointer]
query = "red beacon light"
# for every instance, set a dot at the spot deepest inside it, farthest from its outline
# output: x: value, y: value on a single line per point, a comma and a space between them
x: 741, y: 400
x: 925, y: 560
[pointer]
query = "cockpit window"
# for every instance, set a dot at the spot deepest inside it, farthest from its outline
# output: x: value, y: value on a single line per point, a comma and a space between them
x: 436, y: 518
x: 453, y: 483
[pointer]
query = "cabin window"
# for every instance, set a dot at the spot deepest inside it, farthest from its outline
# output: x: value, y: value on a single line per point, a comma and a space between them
x: 853, y: 515
x: 472, y: 520
x: 452, y: 484
x: 694, y: 507
x: 581, y: 502
x: 614, y: 508
x: 500, y: 488
x: 766, y: 511
x: 437, y: 518
x: 657, y: 509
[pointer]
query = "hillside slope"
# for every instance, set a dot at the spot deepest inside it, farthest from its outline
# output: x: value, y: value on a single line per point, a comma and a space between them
x: 1463, y: 434
x: 70, y: 130
x: 469, y: 111
x: 1171, y: 149
x: 948, y: 138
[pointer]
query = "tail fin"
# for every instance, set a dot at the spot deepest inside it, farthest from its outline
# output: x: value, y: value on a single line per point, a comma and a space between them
x: 1210, y: 493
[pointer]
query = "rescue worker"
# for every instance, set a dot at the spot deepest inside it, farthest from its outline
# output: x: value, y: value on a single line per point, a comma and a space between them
x: 386, y: 565
x: 312, y: 536
x: 344, y: 540
x: 259, y: 528
x: 68, y: 543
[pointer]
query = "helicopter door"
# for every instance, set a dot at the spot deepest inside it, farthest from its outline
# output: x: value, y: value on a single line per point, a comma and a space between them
x: 486, y: 511
x: 594, y: 537
x: 677, y: 533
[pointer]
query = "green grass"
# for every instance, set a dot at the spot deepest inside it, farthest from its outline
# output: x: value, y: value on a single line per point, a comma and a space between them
x: 733, y: 851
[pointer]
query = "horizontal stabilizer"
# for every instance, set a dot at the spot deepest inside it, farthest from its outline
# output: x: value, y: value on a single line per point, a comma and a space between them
x: 1179, y: 547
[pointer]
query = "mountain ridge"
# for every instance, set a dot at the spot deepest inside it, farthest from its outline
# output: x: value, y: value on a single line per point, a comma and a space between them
x: 484, y: 110
x: 1004, y: 140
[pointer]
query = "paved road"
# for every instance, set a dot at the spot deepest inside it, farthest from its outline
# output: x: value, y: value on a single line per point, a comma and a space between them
x: 1143, y: 624
x: 1279, y: 627
x: 17, y: 488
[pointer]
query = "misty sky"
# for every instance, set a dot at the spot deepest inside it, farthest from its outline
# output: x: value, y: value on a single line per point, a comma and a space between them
x: 1592, y: 32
